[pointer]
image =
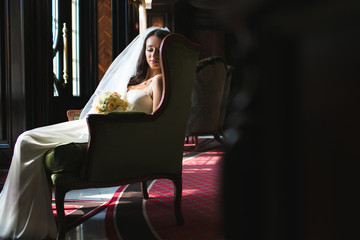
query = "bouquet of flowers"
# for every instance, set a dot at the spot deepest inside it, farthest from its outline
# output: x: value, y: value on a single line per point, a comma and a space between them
x: 110, y: 101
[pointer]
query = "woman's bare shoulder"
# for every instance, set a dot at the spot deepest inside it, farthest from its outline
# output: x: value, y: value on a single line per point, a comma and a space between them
x: 157, y: 79
x: 157, y: 76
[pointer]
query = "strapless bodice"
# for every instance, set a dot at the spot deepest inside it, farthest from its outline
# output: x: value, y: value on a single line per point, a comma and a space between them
x: 140, y: 101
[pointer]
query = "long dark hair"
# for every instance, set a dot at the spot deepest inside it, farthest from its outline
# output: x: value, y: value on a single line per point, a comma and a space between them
x: 142, y: 65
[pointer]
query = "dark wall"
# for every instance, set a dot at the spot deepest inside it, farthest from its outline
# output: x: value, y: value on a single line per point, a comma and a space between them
x: 199, y: 25
x: 25, y: 70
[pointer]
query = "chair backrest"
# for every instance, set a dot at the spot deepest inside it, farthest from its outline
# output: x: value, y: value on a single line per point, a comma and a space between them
x: 151, y: 145
x: 207, y: 96
x: 225, y: 98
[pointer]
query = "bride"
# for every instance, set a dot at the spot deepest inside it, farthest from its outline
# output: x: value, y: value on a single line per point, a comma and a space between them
x: 25, y: 206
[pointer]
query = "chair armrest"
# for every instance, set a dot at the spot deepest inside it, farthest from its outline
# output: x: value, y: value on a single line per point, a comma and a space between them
x: 93, y: 119
x: 73, y: 114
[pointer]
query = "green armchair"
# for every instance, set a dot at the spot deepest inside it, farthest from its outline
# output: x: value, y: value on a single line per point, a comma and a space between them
x: 113, y: 157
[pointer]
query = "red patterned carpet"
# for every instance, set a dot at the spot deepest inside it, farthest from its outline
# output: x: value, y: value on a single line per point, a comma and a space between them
x: 200, y: 203
x: 131, y: 217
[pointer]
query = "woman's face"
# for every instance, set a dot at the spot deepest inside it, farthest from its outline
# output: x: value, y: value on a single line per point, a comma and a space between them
x: 152, y: 52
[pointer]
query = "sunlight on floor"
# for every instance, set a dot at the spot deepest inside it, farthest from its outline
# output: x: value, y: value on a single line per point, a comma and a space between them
x: 94, y: 228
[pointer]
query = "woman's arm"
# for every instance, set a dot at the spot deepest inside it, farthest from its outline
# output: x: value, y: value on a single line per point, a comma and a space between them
x: 157, y: 87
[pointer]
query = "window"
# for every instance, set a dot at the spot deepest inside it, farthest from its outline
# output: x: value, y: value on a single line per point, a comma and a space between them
x: 73, y: 58
x: 75, y: 48
x: 55, y: 34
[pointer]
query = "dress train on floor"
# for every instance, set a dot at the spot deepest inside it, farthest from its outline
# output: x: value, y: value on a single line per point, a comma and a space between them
x: 25, y: 204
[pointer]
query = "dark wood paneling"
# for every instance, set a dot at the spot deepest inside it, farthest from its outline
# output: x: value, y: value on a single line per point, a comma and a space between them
x: 212, y: 42
x: 17, y: 74
x: 200, y: 26
x: 119, y: 27
x: 124, y: 15
x: 104, y: 36
x: 5, y: 124
x: 88, y: 50
x: 4, y: 77
x: 161, y: 15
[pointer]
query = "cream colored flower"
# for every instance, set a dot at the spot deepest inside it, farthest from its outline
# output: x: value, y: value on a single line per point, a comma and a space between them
x: 110, y: 101
x: 110, y: 106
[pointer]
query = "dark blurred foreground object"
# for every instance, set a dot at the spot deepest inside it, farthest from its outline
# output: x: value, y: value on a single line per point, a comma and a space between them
x: 292, y: 161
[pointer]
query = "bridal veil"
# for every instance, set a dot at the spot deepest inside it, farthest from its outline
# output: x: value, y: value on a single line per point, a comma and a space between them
x: 121, y: 70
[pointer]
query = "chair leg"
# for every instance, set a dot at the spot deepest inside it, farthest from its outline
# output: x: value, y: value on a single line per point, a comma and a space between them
x: 50, y: 192
x: 197, y: 145
x: 177, y: 199
x: 59, y: 201
x: 144, y: 189
x: 217, y: 137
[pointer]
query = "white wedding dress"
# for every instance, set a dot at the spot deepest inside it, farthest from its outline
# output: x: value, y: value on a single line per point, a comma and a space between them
x: 25, y: 205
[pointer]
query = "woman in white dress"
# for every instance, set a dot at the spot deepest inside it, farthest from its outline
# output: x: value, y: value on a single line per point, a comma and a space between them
x: 25, y: 205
